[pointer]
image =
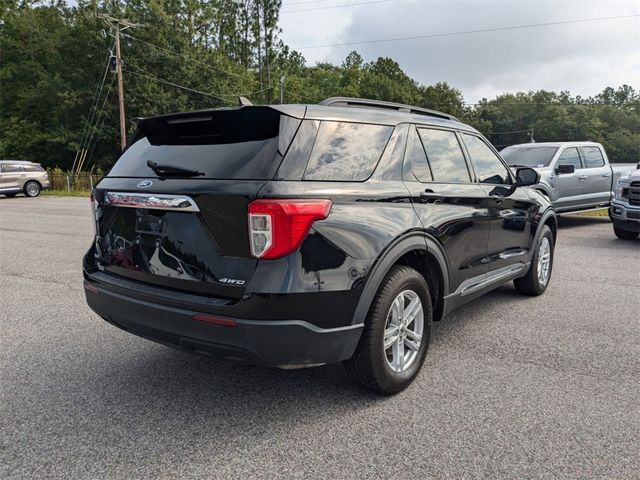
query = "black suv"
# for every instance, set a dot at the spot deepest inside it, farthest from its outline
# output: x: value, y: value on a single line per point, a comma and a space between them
x: 299, y: 235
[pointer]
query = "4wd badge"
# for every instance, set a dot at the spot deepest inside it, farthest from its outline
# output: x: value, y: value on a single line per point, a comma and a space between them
x: 231, y: 281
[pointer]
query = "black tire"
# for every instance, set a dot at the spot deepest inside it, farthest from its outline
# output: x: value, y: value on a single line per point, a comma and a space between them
x: 369, y: 365
x: 530, y: 284
x: 32, y: 189
x: 624, y: 234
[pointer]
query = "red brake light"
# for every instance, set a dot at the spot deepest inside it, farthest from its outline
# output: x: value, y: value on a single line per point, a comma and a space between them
x: 278, y: 227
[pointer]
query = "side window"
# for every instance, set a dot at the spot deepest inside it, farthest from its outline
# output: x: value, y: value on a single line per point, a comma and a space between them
x: 569, y: 156
x: 8, y: 168
x: 417, y: 158
x: 489, y: 167
x: 592, y: 157
x: 444, y: 156
x: 346, y: 151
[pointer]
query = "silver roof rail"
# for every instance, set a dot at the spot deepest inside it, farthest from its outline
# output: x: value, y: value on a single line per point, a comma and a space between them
x: 400, y: 107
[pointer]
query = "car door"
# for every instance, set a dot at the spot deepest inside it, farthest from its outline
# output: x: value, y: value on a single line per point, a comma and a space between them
x: 597, y: 184
x: 568, y: 187
x: 511, y: 210
x: 10, y: 178
x: 450, y: 204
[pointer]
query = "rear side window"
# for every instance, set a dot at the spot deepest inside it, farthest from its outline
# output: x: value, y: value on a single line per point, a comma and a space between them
x: 346, y: 151
x: 569, y: 156
x: 592, y: 157
x: 242, y: 144
x: 33, y: 168
x: 444, y: 156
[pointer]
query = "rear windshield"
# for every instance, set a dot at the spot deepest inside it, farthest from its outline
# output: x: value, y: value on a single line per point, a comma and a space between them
x: 243, y: 144
x: 528, y: 156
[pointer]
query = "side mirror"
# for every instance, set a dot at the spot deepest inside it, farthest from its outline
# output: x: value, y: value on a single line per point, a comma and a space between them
x: 527, y: 176
x: 565, y: 169
x: 638, y: 166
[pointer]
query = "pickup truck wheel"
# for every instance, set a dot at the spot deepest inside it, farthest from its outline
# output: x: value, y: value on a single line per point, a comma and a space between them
x: 396, y: 334
x: 624, y: 234
x: 537, y: 278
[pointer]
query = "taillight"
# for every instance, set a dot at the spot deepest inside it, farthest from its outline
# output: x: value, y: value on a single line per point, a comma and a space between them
x: 93, y: 212
x: 278, y: 227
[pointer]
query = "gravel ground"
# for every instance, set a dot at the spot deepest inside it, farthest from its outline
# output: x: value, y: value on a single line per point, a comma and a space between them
x: 513, y: 387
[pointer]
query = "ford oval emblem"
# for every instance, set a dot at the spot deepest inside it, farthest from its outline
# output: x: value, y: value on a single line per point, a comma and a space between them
x: 144, y: 184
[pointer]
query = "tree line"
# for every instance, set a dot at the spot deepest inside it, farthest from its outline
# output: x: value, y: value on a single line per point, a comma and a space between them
x: 58, y: 94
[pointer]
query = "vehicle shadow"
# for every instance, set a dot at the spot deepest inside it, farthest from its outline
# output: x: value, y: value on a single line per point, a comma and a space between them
x: 575, y: 221
x: 156, y: 394
x: 164, y: 378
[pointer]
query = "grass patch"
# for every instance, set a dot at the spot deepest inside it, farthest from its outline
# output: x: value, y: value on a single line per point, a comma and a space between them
x: 64, y: 193
x: 603, y: 212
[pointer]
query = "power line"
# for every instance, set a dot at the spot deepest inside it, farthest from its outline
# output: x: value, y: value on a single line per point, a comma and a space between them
x: 83, y: 158
x: 328, y: 7
x: 193, y: 60
x: 167, y: 82
x: 99, y: 140
x: 468, y: 32
x: 94, y: 104
x: 305, y: 2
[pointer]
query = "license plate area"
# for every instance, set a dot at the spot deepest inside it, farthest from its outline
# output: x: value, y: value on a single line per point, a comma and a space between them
x: 150, y: 224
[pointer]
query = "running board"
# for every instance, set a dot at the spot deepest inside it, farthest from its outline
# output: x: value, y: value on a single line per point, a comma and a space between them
x: 473, y: 285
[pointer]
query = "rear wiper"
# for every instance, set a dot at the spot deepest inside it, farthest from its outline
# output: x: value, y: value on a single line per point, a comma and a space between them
x: 169, y: 171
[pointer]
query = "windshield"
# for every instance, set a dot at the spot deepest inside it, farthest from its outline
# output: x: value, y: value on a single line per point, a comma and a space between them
x: 528, y: 156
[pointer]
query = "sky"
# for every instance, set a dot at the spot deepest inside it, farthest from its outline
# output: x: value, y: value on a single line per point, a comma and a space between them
x: 582, y: 58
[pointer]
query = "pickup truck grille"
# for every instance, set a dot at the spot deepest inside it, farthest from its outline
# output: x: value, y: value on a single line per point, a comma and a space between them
x: 634, y: 194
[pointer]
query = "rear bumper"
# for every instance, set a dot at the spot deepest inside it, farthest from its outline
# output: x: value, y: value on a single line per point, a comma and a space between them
x: 278, y: 343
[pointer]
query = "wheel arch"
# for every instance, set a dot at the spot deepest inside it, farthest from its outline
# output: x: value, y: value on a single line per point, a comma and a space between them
x: 415, y: 250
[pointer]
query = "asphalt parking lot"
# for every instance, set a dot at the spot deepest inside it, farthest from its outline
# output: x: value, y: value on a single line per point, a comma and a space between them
x: 513, y: 387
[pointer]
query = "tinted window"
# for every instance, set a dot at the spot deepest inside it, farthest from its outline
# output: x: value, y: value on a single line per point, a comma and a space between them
x: 8, y: 168
x: 592, y: 157
x: 528, y: 156
x: 346, y: 151
x: 569, y: 156
x: 417, y: 158
x: 238, y: 144
x: 489, y: 167
x: 444, y: 156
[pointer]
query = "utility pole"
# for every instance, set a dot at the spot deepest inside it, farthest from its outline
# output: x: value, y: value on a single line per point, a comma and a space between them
x: 282, y: 79
x: 119, y: 24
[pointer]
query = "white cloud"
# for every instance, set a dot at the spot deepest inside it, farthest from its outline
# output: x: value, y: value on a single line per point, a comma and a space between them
x: 581, y: 57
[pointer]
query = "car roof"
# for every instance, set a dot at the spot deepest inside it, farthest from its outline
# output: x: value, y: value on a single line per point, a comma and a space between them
x: 17, y: 161
x: 554, y: 144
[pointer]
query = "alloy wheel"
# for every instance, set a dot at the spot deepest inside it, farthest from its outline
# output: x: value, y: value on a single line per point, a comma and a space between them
x: 544, y: 261
x: 403, y: 331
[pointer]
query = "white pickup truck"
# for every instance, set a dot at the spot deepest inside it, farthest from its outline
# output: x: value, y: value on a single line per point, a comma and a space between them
x: 575, y: 176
